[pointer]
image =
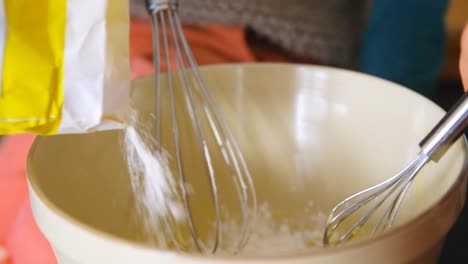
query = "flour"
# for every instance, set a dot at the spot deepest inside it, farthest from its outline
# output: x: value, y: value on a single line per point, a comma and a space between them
x: 157, y: 198
x: 154, y: 187
x: 271, y: 237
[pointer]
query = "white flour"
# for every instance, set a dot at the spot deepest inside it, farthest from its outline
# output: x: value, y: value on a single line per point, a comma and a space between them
x: 152, y: 182
x: 156, y: 194
x: 271, y: 237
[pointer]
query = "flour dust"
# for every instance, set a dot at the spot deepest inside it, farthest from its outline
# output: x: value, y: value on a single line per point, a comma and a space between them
x: 154, y: 187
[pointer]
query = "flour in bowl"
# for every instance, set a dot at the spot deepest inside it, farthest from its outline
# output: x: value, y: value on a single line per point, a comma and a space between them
x: 271, y: 237
x: 157, y: 199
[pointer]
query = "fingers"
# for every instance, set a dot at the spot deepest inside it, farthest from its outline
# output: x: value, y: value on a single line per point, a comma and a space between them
x: 464, y: 58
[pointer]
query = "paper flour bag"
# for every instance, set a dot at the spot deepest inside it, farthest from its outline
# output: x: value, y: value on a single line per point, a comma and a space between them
x: 64, y: 65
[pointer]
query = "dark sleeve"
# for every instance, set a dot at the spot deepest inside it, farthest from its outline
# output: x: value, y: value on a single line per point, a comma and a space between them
x: 405, y: 42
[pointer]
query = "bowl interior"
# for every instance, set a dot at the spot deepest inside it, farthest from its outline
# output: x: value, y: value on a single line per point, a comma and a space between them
x: 307, y: 133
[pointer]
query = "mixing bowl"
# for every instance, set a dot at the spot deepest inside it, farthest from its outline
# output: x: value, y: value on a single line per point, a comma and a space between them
x: 309, y: 133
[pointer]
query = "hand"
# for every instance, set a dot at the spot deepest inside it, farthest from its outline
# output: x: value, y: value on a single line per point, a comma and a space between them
x: 464, y: 58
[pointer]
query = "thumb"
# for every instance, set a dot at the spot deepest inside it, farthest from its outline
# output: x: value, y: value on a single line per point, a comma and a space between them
x: 464, y: 58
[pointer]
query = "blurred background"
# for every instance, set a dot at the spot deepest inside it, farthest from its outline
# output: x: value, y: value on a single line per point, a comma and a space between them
x: 449, y: 82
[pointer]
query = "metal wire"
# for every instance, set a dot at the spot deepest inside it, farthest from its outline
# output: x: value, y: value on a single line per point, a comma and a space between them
x: 395, y: 187
x: 167, y: 29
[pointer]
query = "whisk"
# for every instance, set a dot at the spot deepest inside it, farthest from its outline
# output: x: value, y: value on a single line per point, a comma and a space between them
x: 167, y: 30
x: 433, y: 147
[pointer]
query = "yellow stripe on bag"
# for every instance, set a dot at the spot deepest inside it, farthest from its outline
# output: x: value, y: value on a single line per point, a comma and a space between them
x: 32, y: 79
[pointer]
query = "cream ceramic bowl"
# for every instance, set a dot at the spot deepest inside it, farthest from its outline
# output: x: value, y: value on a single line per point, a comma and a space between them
x: 307, y: 132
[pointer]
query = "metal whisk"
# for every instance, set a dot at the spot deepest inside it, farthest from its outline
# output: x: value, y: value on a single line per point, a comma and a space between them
x: 167, y: 29
x: 433, y: 147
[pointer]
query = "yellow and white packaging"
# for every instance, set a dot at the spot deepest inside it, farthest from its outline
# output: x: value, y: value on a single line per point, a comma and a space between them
x: 64, y: 65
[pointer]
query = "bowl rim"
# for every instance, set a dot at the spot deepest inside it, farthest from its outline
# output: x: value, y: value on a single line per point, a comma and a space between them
x: 313, y: 252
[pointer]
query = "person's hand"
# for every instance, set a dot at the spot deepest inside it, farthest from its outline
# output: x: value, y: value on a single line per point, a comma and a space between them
x: 464, y: 58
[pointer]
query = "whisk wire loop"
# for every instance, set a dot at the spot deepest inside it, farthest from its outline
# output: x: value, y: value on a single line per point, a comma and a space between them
x: 398, y: 184
x: 167, y: 28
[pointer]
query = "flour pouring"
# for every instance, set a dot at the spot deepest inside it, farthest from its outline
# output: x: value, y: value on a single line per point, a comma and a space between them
x: 211, y: 134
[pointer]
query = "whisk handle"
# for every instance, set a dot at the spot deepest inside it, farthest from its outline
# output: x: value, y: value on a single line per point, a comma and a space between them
x: 447, y: 131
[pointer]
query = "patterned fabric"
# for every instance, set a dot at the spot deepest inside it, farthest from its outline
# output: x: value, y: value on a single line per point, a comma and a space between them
x: 328, y: 31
